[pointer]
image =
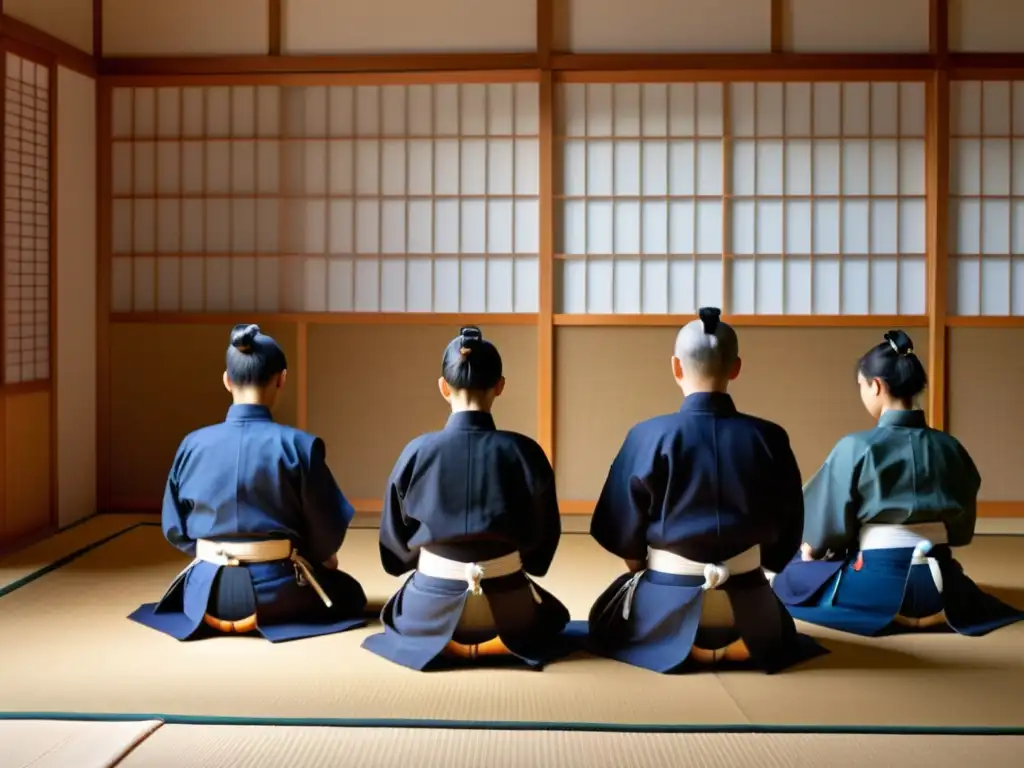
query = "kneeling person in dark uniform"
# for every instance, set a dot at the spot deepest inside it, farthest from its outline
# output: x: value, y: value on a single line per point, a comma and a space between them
x: 884, y: 513
x: 473, y: 510
x: 254, y: 503
x: 697, y: 503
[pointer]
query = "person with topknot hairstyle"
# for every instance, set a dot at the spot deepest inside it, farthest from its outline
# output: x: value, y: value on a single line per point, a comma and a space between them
x: 255, y: 505
x: 882, y: 515
x: 472, y: 511
x: 697, y: 503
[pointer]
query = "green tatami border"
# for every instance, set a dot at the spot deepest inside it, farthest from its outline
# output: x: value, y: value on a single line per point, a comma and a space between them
x: 70, y: 558
x: 523, y: 725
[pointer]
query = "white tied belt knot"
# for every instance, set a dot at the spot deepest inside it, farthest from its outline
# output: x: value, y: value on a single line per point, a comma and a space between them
x: 236, y: 553
x: 923, y: 537
x: 474, y: 574
x: 715, y: 574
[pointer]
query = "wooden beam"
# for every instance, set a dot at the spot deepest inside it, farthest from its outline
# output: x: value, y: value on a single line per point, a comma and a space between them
x: 748, y: 321
x: 985, y: 321
x: 3, y: 314
x: 322, y: 318
x: 937, y: 240
x: 546, y: 225
x: 987, y: 62
x: 103, y: 293
x: 742, y: 61
x: 26, y: 387
x: 881, y: 65
x: 54, y: 286
x: 97, y: 30
x: 546, y: 287
x: 274, y: 29
x: 264, y: 65
x: 449, y: 77
x: 718, y: 76
x: 778, y: 21
x: 545, y: 32
x: 301, y: 373
x: 938, y: 31
x: 65, y: 54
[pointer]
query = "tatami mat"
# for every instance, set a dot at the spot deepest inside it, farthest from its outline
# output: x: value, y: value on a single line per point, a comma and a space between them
x: 49, y: 744
x: 27, y: 561
x: 74, y: 651
x: 253, y: 747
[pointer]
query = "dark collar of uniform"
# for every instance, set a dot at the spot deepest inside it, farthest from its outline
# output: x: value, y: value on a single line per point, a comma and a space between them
x: 708, y: 402
x: 902, y: 419
x: 470, y: 420
x: 249, y: 413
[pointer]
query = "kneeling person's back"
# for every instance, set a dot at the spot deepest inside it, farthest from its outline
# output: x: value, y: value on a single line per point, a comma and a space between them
x: 473, y: 510
x: 254, y: 503
x: 697, y: 503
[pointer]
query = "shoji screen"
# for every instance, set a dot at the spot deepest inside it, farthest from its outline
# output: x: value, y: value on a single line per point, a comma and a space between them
x: 26, y: 226
x: 985, y: 189
x: 828, y: 207
x: 391, y: 198
x: 641, y: 197
x: 766, y: 198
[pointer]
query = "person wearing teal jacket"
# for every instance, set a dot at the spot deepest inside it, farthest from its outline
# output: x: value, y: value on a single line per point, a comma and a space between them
x: 883, y: 514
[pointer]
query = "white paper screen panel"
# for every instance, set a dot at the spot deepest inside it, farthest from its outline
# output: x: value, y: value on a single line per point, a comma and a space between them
x: 986, y: 193
x: 420, y: 198
x: 793, y: 198
x: 26, y: 221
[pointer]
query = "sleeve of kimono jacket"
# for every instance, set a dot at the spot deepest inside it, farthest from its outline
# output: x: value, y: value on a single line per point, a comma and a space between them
x: 966, y: 484
x: 788, y: 507
x: 624, y: 508
x: 174, y: 511
x: 831, y: 501
x: 396, y: 529
x: 541, y: 541
x: 326, y: 511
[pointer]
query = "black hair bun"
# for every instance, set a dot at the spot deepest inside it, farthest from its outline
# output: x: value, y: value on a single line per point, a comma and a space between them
x: 710, y: 317
x: 900, y: 342
x: 243, y: 336
x: 469, y: 337
x: 471, y: 333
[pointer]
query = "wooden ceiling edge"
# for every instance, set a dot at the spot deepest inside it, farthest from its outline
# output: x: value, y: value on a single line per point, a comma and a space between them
x: 567, y: 66
x: 62, y: 54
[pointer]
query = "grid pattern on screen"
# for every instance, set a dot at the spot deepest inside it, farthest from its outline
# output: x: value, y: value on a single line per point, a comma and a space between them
x: 26, y: 220
x: 769, y: 198
x: 640, y: 197
x: 986, y: 197
x: 418, y: 198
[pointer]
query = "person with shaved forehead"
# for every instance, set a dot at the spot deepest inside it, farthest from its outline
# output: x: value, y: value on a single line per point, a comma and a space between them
x: 699, y: 503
